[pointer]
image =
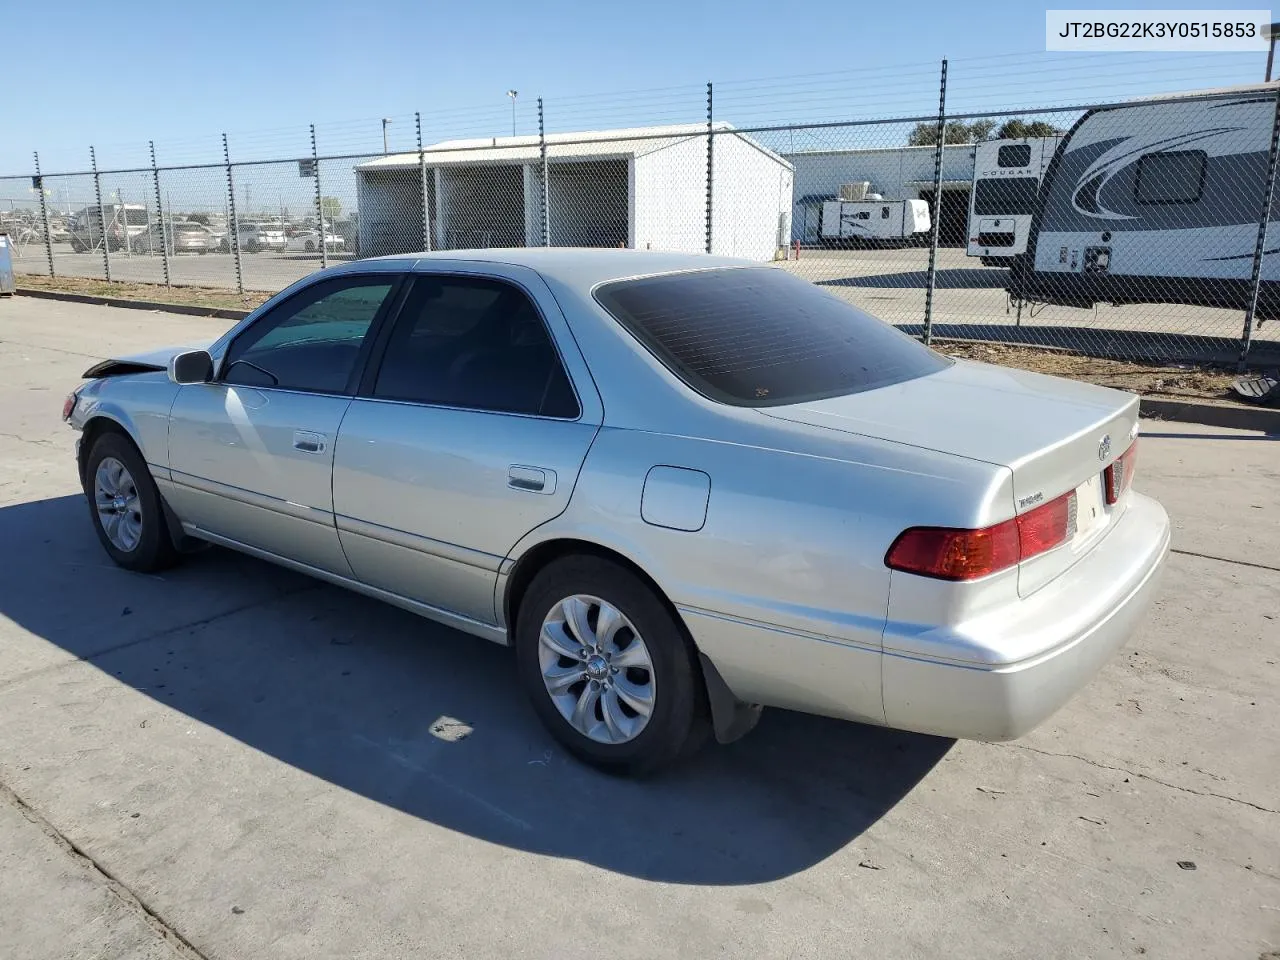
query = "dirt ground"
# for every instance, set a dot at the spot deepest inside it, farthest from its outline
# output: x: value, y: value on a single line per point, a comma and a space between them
x: 1180, y: 380
x: 191, y: 296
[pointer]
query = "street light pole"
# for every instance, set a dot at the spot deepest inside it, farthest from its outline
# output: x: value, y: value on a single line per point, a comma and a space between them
x: 513, y: 94
x: 386, y: 121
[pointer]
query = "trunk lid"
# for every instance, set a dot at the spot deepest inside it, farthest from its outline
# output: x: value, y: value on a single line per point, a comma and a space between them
x: 1054, y: 435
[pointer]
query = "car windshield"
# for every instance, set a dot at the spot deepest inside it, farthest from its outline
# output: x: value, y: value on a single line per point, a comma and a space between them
x: 762, y: 337
x: 188, y: 228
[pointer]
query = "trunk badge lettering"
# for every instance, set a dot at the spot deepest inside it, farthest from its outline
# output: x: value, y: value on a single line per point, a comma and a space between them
x: 1104, y: 447
x: 1028, y: 501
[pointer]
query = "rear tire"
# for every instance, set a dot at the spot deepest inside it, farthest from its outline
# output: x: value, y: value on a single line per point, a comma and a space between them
x: 607, y: 680
x: 125, y: 506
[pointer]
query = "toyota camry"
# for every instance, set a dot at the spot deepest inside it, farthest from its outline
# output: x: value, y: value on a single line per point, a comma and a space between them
x: 681, y: 487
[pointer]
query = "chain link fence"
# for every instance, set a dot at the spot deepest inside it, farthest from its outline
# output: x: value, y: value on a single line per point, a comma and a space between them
x: 1134, y: 229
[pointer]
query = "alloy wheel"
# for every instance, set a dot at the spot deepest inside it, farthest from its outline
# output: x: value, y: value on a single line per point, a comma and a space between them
x: 597, y: 669
x: 118, y: 504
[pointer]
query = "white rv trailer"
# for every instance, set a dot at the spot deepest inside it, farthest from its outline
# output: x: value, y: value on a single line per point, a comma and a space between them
x: 874, y: 222
x: 1157, y: 201
x: 1006, y: 179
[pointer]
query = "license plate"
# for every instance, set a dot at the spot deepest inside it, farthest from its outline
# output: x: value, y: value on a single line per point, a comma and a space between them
x: 1091, y: 508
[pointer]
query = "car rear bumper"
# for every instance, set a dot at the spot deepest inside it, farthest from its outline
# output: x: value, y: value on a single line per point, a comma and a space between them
x: 1071, y: 626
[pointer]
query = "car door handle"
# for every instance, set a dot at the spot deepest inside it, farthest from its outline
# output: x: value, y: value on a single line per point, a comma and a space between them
x: 531, y: 479
x: 308, y: 442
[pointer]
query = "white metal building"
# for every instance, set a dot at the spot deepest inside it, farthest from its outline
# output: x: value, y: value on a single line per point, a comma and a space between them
x: 896, y: 173
x: 642, y: 187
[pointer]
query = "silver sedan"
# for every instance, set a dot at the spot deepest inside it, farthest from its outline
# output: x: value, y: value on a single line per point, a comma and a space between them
x: 681, y: 487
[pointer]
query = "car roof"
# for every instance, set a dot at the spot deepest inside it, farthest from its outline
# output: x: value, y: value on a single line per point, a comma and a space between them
x: 579, y: 266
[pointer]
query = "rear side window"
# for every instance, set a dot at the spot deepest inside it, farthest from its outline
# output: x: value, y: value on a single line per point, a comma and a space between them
x: 1172, y: 176
x: 474, y: 343
x: 1014, y: 155
x: 762, y: 337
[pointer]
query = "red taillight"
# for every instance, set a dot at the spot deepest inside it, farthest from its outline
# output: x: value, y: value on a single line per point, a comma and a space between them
x: 947, y: 553
x: 68, y: 405
x: 1119, y: 475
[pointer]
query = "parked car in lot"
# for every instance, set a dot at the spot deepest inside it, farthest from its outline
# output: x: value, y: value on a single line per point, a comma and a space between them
x: 181, y: 237
x: 256, y: 237
x: 124, y: 222
x: 309, y: 241
x: 682, y: 487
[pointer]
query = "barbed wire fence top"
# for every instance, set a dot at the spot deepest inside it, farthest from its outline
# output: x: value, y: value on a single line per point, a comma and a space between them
x: 1119, y: 218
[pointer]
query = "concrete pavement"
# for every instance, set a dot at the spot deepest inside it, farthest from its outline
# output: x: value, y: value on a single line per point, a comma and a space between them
x: 269, y: 767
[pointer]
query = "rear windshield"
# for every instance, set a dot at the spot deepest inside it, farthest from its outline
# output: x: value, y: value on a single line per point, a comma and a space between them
x: 762, y: 337
x: 1014, y: 195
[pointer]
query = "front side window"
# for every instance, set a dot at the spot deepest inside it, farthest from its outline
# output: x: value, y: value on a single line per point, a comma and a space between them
x: 1172, y: 176
x: 475, y: 343
x: 311, y: 341
x: 759, y: 337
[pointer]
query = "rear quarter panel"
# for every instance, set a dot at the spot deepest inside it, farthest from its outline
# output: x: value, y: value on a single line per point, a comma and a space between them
x: 784, y: 587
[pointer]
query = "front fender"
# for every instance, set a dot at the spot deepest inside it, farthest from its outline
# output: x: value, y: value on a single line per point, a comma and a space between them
x: 139, y: 405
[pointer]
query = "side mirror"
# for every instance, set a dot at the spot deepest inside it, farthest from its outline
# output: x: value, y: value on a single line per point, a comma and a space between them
x: 192, y: 366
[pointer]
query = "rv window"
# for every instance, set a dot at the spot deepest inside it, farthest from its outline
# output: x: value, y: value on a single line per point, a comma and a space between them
x: 884, y: 213
x: 1014, y: 155
x: 1173, y: 176
x: 864, y: 214
x: 1015, y: 195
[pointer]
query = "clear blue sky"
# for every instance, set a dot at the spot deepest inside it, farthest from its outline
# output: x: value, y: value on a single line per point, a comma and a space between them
x: 181, y: 73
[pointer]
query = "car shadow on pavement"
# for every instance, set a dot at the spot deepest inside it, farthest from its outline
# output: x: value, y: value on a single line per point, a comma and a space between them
x: 433, y: 722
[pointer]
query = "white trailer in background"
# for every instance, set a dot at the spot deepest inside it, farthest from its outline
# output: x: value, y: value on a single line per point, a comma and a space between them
x: 1006, y: 179
x: 1157, y: 201
x: 874, y: 222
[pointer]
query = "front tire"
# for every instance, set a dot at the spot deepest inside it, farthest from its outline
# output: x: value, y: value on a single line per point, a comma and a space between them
x: 607, y: 667
x: 125, y: 506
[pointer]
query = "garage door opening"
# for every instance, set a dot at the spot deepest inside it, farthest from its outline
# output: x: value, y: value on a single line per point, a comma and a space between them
x: 587, y: 203
x: 953, y: 217
x: 391, y: 213
x: 483, y: 207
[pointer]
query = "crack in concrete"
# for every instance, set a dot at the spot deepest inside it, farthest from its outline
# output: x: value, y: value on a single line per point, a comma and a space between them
x: 1142, y: 776
x: 162, y: 928
x: 21, y: 439
x: 1210, y: 556
x: 212, y: 618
